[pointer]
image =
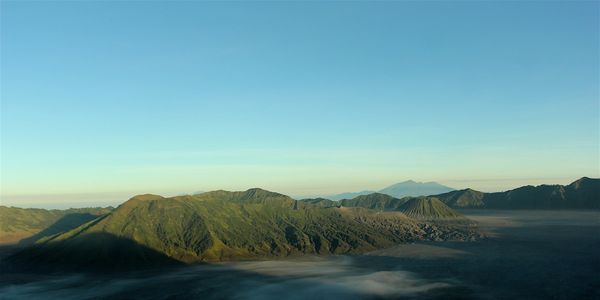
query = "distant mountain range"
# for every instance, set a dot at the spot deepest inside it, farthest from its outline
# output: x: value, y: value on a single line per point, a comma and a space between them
x: 149, y: 230
x: 414, y: 189
x: 581, y: 194
x: 349, y: 195
x: 403, y: 189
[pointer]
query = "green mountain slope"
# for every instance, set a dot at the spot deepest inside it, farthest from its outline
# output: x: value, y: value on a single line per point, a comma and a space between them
x: 374, y: 201
x: 466, y: 198
x: 222, y: 225
x: 26, y: 225
x: 581, y: 194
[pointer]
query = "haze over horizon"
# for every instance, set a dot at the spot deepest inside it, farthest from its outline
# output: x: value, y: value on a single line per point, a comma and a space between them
x: 79, y: 200
x: 103, y: 100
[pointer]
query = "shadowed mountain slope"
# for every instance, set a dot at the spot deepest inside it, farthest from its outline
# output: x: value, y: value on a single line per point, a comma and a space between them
x: 584, y: 192
x: 97, y: 251
x: 26, y: 225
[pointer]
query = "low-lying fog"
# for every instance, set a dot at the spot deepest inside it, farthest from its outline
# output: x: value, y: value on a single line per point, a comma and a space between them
x: 548, y: 254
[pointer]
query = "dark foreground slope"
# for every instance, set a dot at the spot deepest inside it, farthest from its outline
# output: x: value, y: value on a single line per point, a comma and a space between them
x: 216, y: 226
x: 581, y: 194
x: 26, y: 225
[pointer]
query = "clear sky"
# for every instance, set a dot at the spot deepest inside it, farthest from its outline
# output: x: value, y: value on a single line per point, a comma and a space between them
x: 103, y: 100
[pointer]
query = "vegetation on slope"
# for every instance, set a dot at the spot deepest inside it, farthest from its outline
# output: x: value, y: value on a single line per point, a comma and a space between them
x: 374, y: 201
x: 466, y: 198
x: 26, y: 225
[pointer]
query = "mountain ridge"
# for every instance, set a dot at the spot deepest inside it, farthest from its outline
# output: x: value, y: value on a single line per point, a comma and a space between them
x: 221, y: 226
x: 583, y: 193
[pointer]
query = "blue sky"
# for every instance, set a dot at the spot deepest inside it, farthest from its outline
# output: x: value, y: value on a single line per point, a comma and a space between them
x: 102, y: 100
